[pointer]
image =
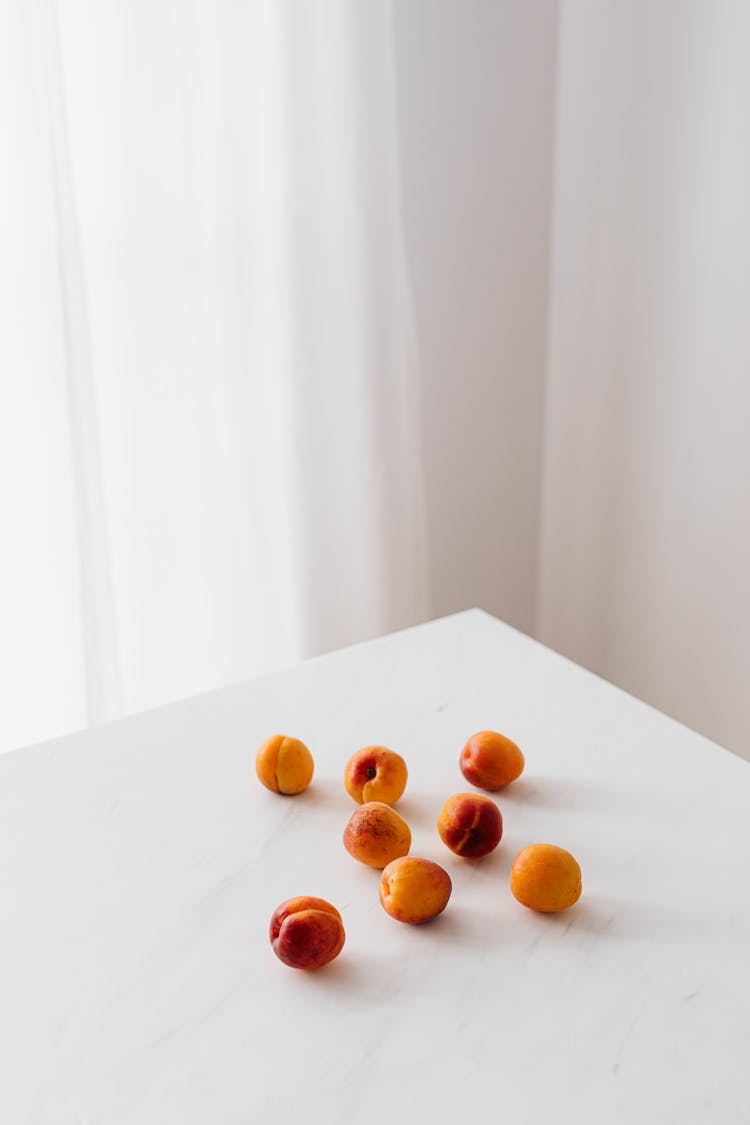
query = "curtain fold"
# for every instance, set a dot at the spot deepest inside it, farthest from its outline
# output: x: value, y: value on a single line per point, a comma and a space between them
x: 225, y: 389
x: 100, y: 656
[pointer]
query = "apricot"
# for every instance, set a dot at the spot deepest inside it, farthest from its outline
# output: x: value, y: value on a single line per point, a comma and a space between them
x: 376, y: 834
x: 306, y: 932
x: 284, y: 765
x: 546, y: 878
x: 414, y: 890
x: 470, y: 824
x: 490, y: 760
x: 375, y: 774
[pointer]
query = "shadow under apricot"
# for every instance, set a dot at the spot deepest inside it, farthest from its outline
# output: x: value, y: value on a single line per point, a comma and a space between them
x: 549, y: 792
x: 325, y: 795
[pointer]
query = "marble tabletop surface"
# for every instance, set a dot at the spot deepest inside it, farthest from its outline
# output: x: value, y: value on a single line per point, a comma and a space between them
x: 140, y: 863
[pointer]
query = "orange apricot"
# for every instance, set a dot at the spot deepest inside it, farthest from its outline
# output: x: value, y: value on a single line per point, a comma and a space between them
x: 414, y: 890
x: 375, y: 774
x: 306, y: 932
x: 284, y: 765
x: 490, y: 760
x: 545, y: 878
x: 376, y: 834
x: 470, y: 824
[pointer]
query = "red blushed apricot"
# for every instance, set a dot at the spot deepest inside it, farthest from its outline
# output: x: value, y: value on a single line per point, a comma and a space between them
x: 470, y: 824
x: 490, y: 760
x: 284, y: 765
x: 306, y: 932
x: 375, y: 774
x: 414, y: 890
x: 376, y: 834
x: 545, y: 878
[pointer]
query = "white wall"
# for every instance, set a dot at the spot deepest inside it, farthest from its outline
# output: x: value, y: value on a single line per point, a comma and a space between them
x: 617, y: 414
x: 646, y: 524
x: 475, y: 100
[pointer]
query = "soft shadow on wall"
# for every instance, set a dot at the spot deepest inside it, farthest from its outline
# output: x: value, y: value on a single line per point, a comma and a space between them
x: 574, y: 179
x: 645, y: 546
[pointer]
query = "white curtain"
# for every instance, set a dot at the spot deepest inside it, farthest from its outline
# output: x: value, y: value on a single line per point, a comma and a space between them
x: 232, y: 436
x: 209, y: 447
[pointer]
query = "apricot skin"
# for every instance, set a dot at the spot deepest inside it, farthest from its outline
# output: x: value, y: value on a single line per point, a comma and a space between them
x: 470, y: 824
x: 376, y: 834
x: 306, y: 932
x: 491, y: 761
x: 284, y: 765
x: 545, y: 878
x: 375, y: 774
x: 414, y: 890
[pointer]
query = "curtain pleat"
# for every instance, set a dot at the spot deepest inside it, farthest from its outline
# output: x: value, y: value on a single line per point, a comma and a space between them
x: 236, y: 402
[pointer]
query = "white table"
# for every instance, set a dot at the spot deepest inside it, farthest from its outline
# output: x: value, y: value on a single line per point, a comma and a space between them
x: 140, y: 863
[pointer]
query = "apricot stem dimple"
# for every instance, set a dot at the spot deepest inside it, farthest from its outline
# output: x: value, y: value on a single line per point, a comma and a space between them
x: 370, y: 772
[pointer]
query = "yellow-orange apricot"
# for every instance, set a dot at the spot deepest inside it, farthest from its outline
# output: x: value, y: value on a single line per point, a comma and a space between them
x: 490, y: 760
x: 546, y: 878
x: 306, y: 932
x: 376, y: 834
x: 414, y: 890
x: 375, y: 774
x: 284, y: 764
